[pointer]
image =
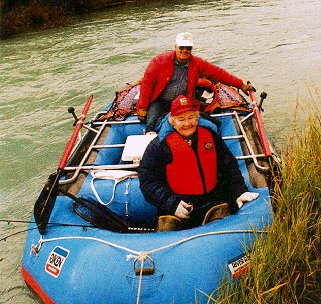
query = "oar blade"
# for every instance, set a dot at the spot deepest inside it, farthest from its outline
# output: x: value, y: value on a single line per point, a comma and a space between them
x: 46, y: 201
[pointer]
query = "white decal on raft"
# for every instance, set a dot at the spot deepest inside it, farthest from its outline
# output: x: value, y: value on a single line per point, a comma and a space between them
x: 239, y: 266
x: 56, y: 260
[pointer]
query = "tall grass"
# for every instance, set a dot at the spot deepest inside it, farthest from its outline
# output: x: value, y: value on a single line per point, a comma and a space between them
x: 286, y: 264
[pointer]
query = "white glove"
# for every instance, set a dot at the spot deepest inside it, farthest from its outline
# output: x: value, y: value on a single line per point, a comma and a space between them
x: 246, y: 197
x: 183, y: 210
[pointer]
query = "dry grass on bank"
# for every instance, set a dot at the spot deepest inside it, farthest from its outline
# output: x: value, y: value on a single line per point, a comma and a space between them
x: 20, y: 16
x: 286, y: 265
x: 32, y: 15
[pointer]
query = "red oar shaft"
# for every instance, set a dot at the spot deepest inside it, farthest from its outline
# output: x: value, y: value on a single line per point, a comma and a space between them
x: 73, y: 138
x: 47, y: 198
x: 259, y: 123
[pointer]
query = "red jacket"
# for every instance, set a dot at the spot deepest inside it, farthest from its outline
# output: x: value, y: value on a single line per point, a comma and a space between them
x: 161, y: 69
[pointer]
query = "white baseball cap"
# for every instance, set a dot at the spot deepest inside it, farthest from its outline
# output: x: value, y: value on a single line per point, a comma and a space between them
x: 184, y: 39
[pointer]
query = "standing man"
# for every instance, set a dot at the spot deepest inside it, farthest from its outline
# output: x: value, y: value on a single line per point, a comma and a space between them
x: 175, y: 73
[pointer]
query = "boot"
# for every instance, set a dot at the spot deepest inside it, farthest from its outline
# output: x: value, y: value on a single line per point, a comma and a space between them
x: 169, y: 223
x: 217, y: 212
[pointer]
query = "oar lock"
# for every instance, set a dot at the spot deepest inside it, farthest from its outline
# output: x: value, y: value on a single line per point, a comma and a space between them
x: 263, y: 95
x: 72, y: 111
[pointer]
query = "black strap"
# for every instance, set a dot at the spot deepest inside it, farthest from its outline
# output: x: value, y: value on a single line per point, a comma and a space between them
x: 105, y: 218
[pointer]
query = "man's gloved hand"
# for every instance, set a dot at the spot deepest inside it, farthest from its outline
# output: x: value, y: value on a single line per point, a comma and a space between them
x: 246, y: 197
x: 141, y: 114
x: 183, y: 210
x: 247, y: 87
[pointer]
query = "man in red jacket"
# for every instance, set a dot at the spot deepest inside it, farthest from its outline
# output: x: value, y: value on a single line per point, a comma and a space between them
x: 175, y: 73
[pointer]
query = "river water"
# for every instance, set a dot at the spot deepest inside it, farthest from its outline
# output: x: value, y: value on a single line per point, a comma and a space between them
x: 274, y: 43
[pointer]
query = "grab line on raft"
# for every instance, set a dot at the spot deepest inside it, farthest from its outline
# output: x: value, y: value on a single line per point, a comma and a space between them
x: 139, y: 253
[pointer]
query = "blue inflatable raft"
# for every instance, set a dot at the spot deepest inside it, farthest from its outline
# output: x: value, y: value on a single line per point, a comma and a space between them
x: 100, y: 243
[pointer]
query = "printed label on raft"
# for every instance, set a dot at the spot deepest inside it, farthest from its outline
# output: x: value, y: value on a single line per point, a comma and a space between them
x: 56, y: 260
x: 239, y: 265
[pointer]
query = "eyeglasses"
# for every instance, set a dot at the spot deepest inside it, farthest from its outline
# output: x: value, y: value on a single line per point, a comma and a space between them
x: 188, y: 48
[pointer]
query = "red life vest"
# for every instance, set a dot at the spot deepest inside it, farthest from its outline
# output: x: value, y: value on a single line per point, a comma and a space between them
x: 184, y: 174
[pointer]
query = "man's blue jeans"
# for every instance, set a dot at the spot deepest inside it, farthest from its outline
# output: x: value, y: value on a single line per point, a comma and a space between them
x: 156, y: 111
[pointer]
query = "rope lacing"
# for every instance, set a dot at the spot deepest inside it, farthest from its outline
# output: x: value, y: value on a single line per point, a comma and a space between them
x: 142, y: 256
x: 117, y: 176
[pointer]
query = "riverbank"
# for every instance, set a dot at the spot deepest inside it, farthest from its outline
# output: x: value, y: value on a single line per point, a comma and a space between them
x: 286, y: 264
x: 19, y: 16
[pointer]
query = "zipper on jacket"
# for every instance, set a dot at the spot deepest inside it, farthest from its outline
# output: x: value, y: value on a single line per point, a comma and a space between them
x: 194, y: 147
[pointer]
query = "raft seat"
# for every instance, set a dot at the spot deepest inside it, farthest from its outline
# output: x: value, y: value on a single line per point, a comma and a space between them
x: 118, y: 134
x: 135, y: 147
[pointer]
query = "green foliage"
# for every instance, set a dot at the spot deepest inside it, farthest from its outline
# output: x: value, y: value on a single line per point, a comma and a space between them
x: 286, y: 265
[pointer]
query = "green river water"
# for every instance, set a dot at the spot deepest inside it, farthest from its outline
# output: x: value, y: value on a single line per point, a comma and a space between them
x: 274, y: 43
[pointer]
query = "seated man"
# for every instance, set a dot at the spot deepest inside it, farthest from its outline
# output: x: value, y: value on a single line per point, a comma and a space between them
x: 191, y: 170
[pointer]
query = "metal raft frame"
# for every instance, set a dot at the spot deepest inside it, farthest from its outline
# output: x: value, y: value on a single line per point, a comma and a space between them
x: 252, y: 155
x: 103, y: 124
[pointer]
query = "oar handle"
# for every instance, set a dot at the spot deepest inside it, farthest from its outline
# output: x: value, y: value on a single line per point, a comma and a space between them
x: 73, y: 138
x: 259, y: 123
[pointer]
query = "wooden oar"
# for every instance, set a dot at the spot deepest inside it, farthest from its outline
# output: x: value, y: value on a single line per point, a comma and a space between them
x: 47, y: 198
x: 259, y: 124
